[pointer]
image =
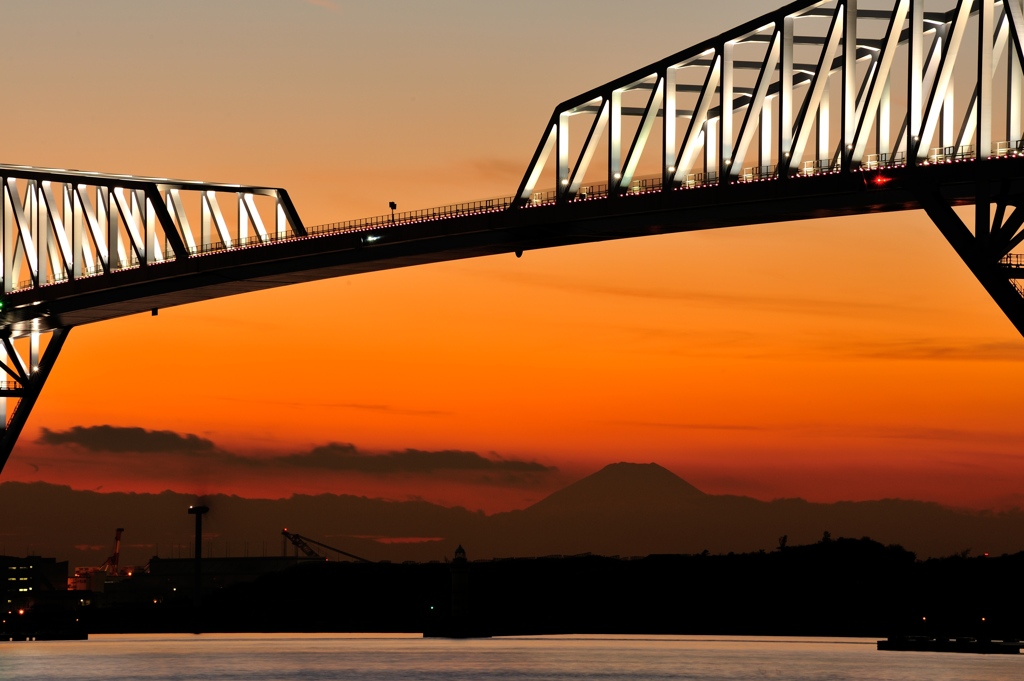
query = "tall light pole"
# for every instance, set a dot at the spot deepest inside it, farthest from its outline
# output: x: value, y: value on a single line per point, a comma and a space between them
x: 197, y: 595
x: 392, y: 205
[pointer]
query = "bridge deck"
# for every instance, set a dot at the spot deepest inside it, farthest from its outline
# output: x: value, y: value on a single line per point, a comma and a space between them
x: 421, y: 240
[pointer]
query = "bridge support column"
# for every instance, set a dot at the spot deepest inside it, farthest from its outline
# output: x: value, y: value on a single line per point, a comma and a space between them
x: 986, y: 249
x: 27, y: 384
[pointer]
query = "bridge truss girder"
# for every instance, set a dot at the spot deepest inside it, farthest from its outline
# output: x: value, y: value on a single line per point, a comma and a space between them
x: 61, y: 226
x: 912, y: 81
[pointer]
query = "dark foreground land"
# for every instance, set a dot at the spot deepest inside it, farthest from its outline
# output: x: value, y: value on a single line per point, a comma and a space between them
x: 841, y: 587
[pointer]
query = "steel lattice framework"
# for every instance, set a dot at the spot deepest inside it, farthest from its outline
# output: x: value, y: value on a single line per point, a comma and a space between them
x: 63, y: 226
x: 832, y: 107
x: 821, y: 108
x: 753, y: 111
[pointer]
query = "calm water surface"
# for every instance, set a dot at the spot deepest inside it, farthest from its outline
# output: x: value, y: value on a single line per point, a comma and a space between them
x: 372, y: 658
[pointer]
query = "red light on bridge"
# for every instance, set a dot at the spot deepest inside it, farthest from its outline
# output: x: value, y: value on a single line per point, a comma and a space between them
x: 881, y: 180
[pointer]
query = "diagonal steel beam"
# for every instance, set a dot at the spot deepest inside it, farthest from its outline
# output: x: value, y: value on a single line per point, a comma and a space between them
x: 945, y: 75
x: 879, y: 79
x: 771, y: 60
x: 978, y: 259
x: 536, y: 167
x: 158, y: 205
x: 31, y: 387
x: 590, y: 147
x: 636, y: 149
x: 687, y: 155
x: 813, y: 100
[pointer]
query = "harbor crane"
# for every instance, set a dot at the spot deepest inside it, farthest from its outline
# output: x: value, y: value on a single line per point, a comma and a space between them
x: 303, y: 544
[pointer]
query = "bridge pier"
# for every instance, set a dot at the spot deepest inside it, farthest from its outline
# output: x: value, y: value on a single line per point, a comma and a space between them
x: 28, y: 383
x: 986, y: 250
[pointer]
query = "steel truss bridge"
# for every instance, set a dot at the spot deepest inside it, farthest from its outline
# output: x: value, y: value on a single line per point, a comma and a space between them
x: 822, y: 108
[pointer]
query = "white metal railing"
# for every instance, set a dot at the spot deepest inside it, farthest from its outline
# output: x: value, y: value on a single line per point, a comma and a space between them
x: 1010, y: 148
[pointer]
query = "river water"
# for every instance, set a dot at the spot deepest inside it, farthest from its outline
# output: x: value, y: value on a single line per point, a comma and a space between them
x: 399, y: 658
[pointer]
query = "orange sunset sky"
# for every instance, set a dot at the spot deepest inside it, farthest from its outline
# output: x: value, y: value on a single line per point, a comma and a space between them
x: 854, y: 358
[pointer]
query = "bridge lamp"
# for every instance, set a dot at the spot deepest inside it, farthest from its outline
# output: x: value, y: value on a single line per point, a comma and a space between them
x: 392, y: 205
x: 671, y: 169
x: 565, y: 183
x: 618, y: 176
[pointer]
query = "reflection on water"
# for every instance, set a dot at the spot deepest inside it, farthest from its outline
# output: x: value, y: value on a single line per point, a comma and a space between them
x: 368, y: 657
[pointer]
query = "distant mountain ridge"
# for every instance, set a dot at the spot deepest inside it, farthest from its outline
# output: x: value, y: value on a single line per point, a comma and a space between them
x: 619, y: 487
x: 623, y: 509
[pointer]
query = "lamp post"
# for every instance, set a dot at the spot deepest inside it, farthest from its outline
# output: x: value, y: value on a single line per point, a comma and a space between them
x: 392, y: 205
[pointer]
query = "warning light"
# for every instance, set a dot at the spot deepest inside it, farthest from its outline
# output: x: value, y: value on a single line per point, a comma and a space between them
x: 21, y: 611
x: 881, y: 180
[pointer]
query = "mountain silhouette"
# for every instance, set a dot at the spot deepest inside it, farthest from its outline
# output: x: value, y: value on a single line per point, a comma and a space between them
x: 621, y: 488
x: 624, y: 509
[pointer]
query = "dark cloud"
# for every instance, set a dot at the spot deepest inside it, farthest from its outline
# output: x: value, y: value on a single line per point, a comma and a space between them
x: 939, y: 350
x: 688, y: 426
x: 832, y: 307
x: 940, y: 434
x: 332, y: 457
x: 116, y: 439
x: 384, y: 408
x: 346, y: 457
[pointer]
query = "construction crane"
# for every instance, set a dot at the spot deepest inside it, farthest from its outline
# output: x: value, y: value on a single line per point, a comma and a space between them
x: 93, y: 578
x: 110, y: 565
x: 303, y: 544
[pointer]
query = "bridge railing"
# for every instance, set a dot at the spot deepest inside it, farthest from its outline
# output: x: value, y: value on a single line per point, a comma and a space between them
x: 758, y: 173
x: 413, y: 216
x: 697, y: 180
x: 877, y: 161
x: 949, y: 154
x: 1013, y: 266
x: 1010, y: 148
x: 1013, y: 260
x: 177, y: 226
